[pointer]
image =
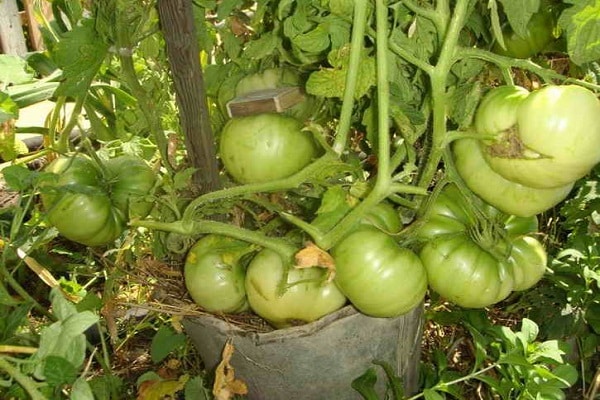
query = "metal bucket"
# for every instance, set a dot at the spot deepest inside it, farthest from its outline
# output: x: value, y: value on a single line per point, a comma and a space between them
x: 317, y: 360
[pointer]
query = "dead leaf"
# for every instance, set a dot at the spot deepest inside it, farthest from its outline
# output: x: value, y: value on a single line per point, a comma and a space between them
x: 154, y: 389
x: 226, y: 386
x: 313, y: 256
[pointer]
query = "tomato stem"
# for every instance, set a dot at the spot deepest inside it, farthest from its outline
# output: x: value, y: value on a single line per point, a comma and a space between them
x: 356, y: 47
x: 294, y: 181
x: 189, y: 228
x: 439, y: 95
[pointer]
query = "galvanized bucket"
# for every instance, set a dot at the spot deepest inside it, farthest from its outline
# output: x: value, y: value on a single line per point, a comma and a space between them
x: 317, y: 360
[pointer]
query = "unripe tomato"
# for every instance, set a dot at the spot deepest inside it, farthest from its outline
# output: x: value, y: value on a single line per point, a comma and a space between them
x: 90, y: 205
x: 477, y: 260
x: 379, y: 277
x: 306, y: 296
x: 214, y: 275
x: 539, y: 34
x: 507, y: 196
x: 264, y: 147
x: 555, y: 139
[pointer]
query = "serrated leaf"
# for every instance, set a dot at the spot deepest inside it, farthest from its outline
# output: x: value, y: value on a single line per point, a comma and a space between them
x: 331, y: 82
x: 79, y: 53
x: 581, y: 23
x: 59, y: 371
x: 335, y: 204
x: 164, y: 342
x: 13, y: 70
x: 519, y: 13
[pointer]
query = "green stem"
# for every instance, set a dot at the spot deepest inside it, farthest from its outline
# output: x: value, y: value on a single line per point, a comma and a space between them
x: 383, y: 180
x: 431, y: 14
x: 456, y: 135
x: 188, y: 228
x: 62, y: 144
x: 438, y: 92
x: 408, y: 189
x: 26, y: 382
x: 408, y: 57
x: 290, y: 182
x: 356, y: 48
x: 443, y: 385
x: 503, y: 62
x: 145, y: 103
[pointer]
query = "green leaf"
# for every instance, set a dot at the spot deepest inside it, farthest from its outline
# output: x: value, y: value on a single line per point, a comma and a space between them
x: 59, y: 371
x: 313, y: 41
x: 18, y: 177
x: 13, y: 70
x: 331, y: 82
x: 365, y: 385
x: 496, y: 27
x: 430, y: 394
x: 529, y: 331
x: 164, y: 342
x: 519, y: 13
x: 81, y: 390
x: 581, y: 23
x: 8, y: 108
x: 262, y: 47
x: 547, y: 350
x: 226, y: 7
x: 195, y: 389
x: 394, y: 381
x: 80, y: 54
x: 335, y: 204
x: 107, y: 387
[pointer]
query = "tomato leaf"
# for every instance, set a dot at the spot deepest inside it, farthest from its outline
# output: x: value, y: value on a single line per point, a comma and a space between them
x: 59, y: 371
x: 331, y: 82
x: 80, y: 54
x: 519, y: 13
x: 164, y: 342
x: 496, y: 27
x: 365, y: 384
x: 582, y: 30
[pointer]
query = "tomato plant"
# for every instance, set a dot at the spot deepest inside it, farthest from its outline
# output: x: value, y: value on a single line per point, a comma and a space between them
x: 507, y: 196
x: 378, y: 276
x: 549, y: 145
x: 265, y: 147
x: 539, y: 34
x: 214, y: 274
x: 90, y: 204
x: 285, y: 297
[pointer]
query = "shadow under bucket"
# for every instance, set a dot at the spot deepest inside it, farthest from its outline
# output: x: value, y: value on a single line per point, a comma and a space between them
x: 317, y: 360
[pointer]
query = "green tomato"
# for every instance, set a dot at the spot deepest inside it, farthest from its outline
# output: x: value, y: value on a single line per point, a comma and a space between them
x: 131, y: 180
x: 539, y: 34
x: 554, y: 141
x: 497, y: 111
x: 463, y: 272
x: 477, y: 261
x: 275, y: 78
x: 265, y: 147
x: 307, y: 296
x: 214, y: 275
x: 449, y: 213
x: 379, y: 277
x: 528, y: 262
x: 507, y: 196
x: 384, y: 217
x: 91, y: 208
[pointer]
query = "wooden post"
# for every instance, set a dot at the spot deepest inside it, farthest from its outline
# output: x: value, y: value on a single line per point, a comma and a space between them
x: 177, y: 24
x: 12, y: 38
